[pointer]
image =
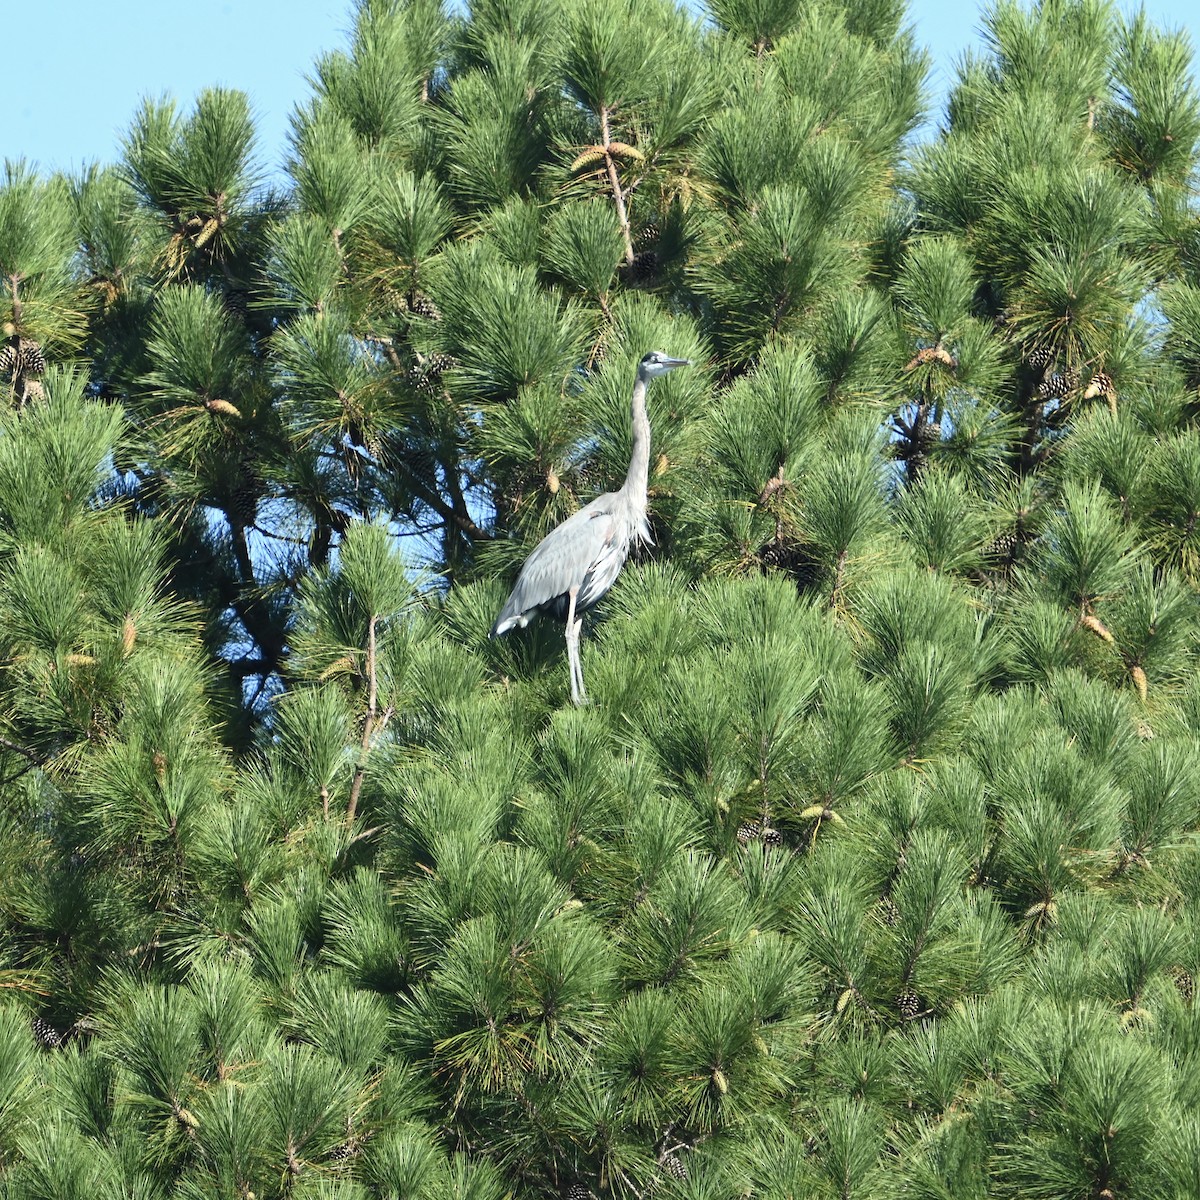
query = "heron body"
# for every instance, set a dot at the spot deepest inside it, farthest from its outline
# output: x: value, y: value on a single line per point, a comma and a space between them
x: 577, y: 562
x: 584, y: 554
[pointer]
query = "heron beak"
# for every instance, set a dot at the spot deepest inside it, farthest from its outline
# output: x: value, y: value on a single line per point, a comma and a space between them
x: 671, y: 363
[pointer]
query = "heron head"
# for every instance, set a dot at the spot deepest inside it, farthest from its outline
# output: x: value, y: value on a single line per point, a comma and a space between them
x: 657, y: 363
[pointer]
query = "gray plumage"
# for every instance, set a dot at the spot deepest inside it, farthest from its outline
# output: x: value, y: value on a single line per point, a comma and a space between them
x: 577, y: 562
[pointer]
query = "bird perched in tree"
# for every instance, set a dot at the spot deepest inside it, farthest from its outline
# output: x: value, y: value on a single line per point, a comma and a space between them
x: 577, y: 562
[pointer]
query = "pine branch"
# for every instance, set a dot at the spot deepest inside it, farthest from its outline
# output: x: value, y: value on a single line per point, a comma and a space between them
x: 615, y: 183
x: 30, y: 756
x: 242, y: 668
x: 429, y: 496
x: 14, y: 281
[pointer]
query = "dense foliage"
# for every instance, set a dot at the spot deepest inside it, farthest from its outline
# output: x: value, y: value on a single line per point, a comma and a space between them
x: 871, y: 871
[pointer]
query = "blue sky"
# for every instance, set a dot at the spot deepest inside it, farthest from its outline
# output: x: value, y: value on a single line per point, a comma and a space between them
x: 89, y: 64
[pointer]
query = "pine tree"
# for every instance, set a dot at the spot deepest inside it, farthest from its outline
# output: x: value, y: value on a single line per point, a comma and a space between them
x: 869, y: 872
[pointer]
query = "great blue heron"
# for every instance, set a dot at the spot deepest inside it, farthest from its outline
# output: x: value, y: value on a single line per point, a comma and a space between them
x: 578, y: 561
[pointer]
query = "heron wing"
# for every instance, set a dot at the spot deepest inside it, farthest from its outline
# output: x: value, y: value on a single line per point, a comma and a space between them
x: 605, y: 568
x: 579, y: 553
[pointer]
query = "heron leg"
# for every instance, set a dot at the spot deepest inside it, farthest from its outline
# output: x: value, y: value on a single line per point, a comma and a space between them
x: 574, y: 626
x: 579, y: 662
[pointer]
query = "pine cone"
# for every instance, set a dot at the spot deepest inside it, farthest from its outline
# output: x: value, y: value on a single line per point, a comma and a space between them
x: 648, y: 235
x: 772, y: 838
x: 748, y: 831
x: 644, y: 266
x: 23, y: 356
x: 1094, y: 625
x: 930, y: 354
x: 237, y: 301
x: 46, y: 1035
x: 579, y: 1191
x: 908, y: 1004
x: 33, y: 361
x: 889, y: 914
x: 1058, y: 386
x: 1039, y: 357
x: 422, y: 306
x: 1002, y: 546
x: 673, y: 1166
x: 427, y: 376
x: 1101, y: 385
x: 243, y: 504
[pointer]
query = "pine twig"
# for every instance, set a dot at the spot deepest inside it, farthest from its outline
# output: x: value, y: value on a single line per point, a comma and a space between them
x: 774, y: 484
x: 369, y: 726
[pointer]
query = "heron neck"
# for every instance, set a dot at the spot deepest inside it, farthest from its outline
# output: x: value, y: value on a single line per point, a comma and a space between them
x: 637, y: 479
